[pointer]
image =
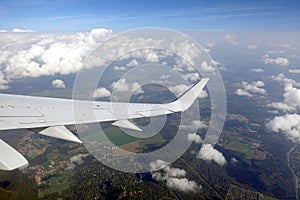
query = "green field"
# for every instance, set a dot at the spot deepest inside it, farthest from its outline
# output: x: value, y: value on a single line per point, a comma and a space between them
x: 115, y: 135
x: 241, y: 150
x: 60, y: 182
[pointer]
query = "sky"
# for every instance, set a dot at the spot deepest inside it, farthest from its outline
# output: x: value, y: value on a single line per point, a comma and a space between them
x: 83, y: 15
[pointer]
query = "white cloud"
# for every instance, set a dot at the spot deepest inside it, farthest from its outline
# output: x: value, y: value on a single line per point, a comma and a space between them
x: 278, y: 61
x: 174, y: 177
x: 289, y: 124
x: 193, y: 137
x: 183, y: 184
x: 209, y: 153
x: 47, y: 54
x: 58, y: 83
x: 78, y: 159
x: 281, y: 106
x: 203, y: 94
x: 17, y: 30
x: 192, y: 76
x: 133, y: 63
x: 252, y: 46
x: 250, y: 88
x: 3, y: 82
x: 230, y: 38
x: 294, y: 71
x: 123, y: 86
x: 283, y: 79
x: 179, y: 89
x: 206, y: 67
x: 101, y: 92
x: 241, y: 92
x: 257, y: 70
x: 120, y: 68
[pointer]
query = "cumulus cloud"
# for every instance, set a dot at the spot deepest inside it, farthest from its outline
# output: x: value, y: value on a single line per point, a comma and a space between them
x: 252, y: 46
x: 209, y: 153
x: 133, y: 63
x: 206, y: 67
x: 76, y: 160
x: 250, y: 88
x: 192, y: 76
x: 289, y: 124
x: 278, y: 61
x: 181, y: 88
x: 241, y: 92
x: 101, y: 92
x: 47, y: 54
x: 58, y: 83
x: 294, y: 71
x: 17, y: 30
x: 193, y: 137
x: 174, y: 177
x: 257, y: 70
x: 230, y: 38
x: 283, y: 79
x: 123, y: 86
x: 3, y: 82
x: 120, y: 68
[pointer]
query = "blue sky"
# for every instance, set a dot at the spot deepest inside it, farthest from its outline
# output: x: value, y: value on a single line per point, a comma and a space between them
x: 82, y: 15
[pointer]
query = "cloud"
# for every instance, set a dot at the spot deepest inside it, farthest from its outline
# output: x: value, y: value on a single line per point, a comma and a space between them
x: 289, y: 124
x: 76, y: 160
x: 241, y: 92
x: 17, y: 30
x: 193, y: 137
x: 283, y: 79
x: 123, y: 86
x: 174, y: 177
x: 181, y: 88
x: 47, y: 54
x: 3, y: 82
x: 183, y: 184
x: 58, y: 83
x: 257, y: 70
x: 252, y: 46
x: 209, y: 153
x: 133, y: 63
x: 281, y: 106
x: 101, y: 92
x: 230, y: 38
x: 250, y: 88
x: 278, y: 61
x: 192, y: 76
x: 206, y: 67
x: 120, y: 68
x: 294, y: 71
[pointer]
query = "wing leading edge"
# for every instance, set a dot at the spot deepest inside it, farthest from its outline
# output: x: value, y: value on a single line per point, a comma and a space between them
x: 52, y: 114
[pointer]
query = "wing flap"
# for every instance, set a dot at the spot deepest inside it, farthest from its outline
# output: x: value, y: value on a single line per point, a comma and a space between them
x: 60, y: 132
x: 126, y: 124
x: 10, y: 158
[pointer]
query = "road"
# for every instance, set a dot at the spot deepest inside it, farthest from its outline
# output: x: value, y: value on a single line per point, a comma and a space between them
x: 294, y: 174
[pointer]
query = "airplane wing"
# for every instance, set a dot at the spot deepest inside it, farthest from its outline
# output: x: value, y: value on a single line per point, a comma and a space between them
x: 52, y: 114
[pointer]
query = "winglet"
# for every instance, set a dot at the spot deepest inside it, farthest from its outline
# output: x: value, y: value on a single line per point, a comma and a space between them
x: 126, y: 124
x: 60, y: 132
x: 187, y: 99
x: 10, y: 158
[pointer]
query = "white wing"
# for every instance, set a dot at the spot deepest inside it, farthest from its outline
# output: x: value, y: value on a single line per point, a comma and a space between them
x: 52, y: 114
